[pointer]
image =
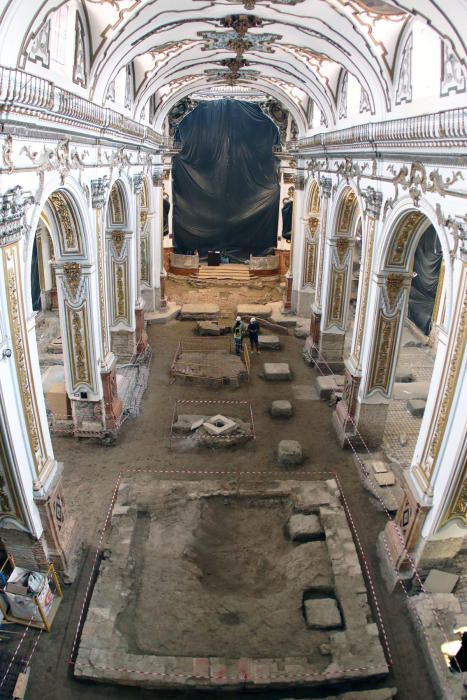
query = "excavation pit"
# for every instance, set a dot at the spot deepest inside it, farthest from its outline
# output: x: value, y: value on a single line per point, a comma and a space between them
x: 210, y: 363
x: 204, y: 589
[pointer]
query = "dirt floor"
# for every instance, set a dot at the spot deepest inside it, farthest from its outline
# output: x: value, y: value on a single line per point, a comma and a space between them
x: 91, y: 472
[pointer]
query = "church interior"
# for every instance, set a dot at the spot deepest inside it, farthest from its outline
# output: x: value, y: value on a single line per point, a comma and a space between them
x: 221, y: 219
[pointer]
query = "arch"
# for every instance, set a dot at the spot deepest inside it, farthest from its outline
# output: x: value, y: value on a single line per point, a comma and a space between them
x: 118, y: 210
x: 165, y: 107
x: 400, y: 237
x: 346, y: 212
x: 66, y: 212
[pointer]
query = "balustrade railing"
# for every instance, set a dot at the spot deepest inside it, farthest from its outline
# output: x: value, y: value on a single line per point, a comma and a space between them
x: 24, y: 93
x: 450, y: 125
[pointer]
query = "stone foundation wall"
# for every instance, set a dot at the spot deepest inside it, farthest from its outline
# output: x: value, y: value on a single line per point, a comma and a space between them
x: 123, y: 344
x: 27, y: 552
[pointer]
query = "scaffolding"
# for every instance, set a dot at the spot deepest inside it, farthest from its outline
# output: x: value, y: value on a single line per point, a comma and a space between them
x: 45, y: 616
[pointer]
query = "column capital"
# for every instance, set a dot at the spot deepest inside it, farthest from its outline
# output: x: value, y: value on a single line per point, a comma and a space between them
x: 326, y: 186
x: 300, y: 180
x: 158, y: 175
x: 13, y: 205
x: 373, y: 200
x: 138, y: 181
x: 99, y: 188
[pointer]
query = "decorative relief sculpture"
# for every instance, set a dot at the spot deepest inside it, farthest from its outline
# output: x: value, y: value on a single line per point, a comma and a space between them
x: 230, y: 41
x: 342, y: 99
x: 394, y: 287
x: 110, y: 96
x: 337, y: 289
x: 7, y: 153
x: 398, y: 252
x: 79, y: 68
x: 99, y: 189
x: 450, y: 387
x: 458, y: 229
x: 309, y: 273
x: 72, y: 272
x: 129, y: 86
x: 138, y: 183
x: 13, y: 205
x: 384, y: 353
x: 347, y: 212
x: 116, y: 207
x: 416, y: 180
x: 79, y: 360
x: 453, y: 78
x: 22, y: 356
x: 365, y: 105
x: 342, y: 248
x: 67, y: 227
x: 118, y: 240
x: 313, y: 225
x: 38, y: 50
x: 458, y: 507
x: 404, y: 81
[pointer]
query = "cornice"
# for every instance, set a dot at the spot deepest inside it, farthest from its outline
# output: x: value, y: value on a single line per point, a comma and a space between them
x: 24, y: 97
x: 439, y: 130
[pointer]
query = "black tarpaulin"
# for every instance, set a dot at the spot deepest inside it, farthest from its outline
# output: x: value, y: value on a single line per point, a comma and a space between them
x: 225, y: 183
x: 427, y: 264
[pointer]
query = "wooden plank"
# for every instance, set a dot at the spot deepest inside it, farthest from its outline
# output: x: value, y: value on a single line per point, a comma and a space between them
x: 21, y: 685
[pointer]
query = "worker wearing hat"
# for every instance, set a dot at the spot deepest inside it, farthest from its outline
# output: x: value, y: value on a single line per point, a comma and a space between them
x: 253, y: 332
x: 238, y: 331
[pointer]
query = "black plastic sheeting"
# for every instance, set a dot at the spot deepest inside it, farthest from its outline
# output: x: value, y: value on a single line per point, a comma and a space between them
x: 287, y: 217
x: 225, y: 180
x: 427, y: 264
x: 35, y: 283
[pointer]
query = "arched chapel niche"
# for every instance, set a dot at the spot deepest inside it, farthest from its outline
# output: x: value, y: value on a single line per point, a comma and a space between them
x: 121, y: 273
x: 341, y: 270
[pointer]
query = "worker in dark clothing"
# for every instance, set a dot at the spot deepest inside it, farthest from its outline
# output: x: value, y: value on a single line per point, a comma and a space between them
x: 253, y: 331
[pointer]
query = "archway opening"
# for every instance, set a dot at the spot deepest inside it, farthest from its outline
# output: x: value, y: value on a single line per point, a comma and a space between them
x: 49, y: 329
x: 425, y: 312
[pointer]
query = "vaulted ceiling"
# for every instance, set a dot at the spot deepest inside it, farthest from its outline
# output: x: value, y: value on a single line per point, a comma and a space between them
x: 294, y: 50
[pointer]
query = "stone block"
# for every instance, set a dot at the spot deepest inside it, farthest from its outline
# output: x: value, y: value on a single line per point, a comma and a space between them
x: 269, y: 342
x: 57, y: 400
x: 379, y: 467
x: 411, y: 390
x: 194, y: 312
x: 304, y: 527
x: 281, y: 409
x: 385, y: 479
x: 290, y: 453
x: 330, y: 384
x: 207, y: 328
x: 440, y: 582
x: 416, y: 407
x: 257, y: 310
x: 322, y: 614
x: 277, y: 371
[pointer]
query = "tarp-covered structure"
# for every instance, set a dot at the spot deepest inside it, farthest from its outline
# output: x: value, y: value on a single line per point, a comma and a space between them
x: 225, y: 180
